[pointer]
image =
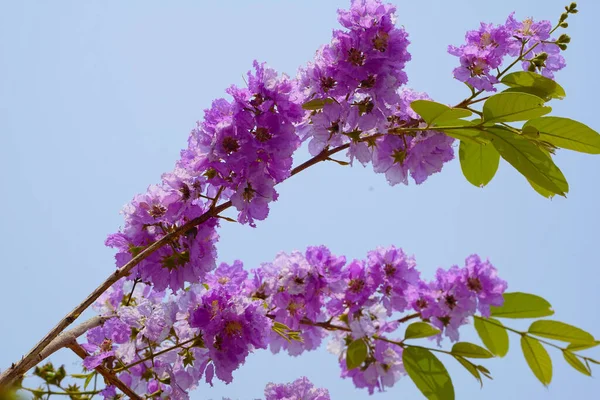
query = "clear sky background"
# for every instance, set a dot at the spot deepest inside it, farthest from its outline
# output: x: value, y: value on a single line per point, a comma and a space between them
x: 97, y: 99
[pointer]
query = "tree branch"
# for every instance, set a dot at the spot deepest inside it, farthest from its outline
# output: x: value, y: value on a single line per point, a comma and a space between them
x: 18, y: 369
x: 105, y: 372
x: 65, y: 338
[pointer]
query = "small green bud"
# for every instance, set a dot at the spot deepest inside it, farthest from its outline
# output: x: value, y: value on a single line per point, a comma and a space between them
x: 564, y: 38
x: 531, y: 67
x: 563, y: 16
x: 564, y: 25
x: 562, y: 46
x: 572, y: 6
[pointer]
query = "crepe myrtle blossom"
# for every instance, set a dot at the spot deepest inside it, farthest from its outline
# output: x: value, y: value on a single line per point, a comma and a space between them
x: 172, y: 342
x: 485, y: 51
x: 300, y: 389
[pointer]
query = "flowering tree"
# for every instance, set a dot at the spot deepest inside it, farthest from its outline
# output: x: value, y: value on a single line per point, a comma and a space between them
x: 169, y: 317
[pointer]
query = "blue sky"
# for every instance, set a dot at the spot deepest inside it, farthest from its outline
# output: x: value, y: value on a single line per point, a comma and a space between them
x: 97, y: 99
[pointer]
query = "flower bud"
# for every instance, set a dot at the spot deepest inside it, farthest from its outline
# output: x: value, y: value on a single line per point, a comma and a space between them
x: 564, y: 38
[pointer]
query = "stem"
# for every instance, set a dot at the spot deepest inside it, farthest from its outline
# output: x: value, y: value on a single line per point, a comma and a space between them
x: 478, y: 100
x: 328, y: 326
x: 403, y: 345
x: 105, y: 372
x: 177, y: 346
x: 135, y: 282
x: 35, y: 391
x: 409, y: 317
x: 325, y: 325
x: 65, y: 338
x: 474, y: 111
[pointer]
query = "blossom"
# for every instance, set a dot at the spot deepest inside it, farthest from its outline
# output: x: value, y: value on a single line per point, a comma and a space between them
x: 100, y: 341
x: 300, y: 389
x: 397, y: 272
x: 232, y: 327
x: 482, y: 278
x: 357, y: 76
x: 383, y: 368
x: 485, y: 50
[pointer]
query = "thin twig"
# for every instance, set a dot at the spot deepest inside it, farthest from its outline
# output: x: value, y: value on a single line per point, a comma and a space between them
x: 158, y: 353
x: 105, y: 372
x: 65, y: 338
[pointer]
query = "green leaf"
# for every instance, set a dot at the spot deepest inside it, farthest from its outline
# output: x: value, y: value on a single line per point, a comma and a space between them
x: 484, y: 371
x: 81, y: 376
x: 428, y: 373
x: 529, y: 160
x: 522, y: 305
x: 470, y: 350
x: 582, y: 346
x: 576, y: 363
x: 493, y: 335
x: 536, y: 84
x: 432, y: 111
x: 509, y: 107
x: 537, y: 358
x: 316, y: 104
x: 479, y: 162
x: 541, y: 191
x: 420, y: 330
x: 87, y: 381
x: 356, y: 353
x: 469, y: 366
x: 560, y: 331
x: 566, y: 133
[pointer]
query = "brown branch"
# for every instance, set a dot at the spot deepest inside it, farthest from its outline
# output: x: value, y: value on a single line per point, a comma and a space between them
x: 158, y: 353
x: 65, y: 338
x: 409, y: 317
x: 325, y: 325
x: 18, y: 369
x: 105, y: 372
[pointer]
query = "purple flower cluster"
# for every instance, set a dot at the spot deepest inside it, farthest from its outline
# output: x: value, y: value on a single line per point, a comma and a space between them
x: 164, y: 345
x: 457, y: 293
x: 485, y: 50
x: 354, y: 84
x: 300, y: 389
x: 383, y: 369
x: 241, y: 150
x: 419, y: 154
x: 232, y: 326
x: 296, y: 288
x: 101, y: 341
x: 363, y: 62
x: 537, y: 41
x: 245, y: 147
x: 387, y: 283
